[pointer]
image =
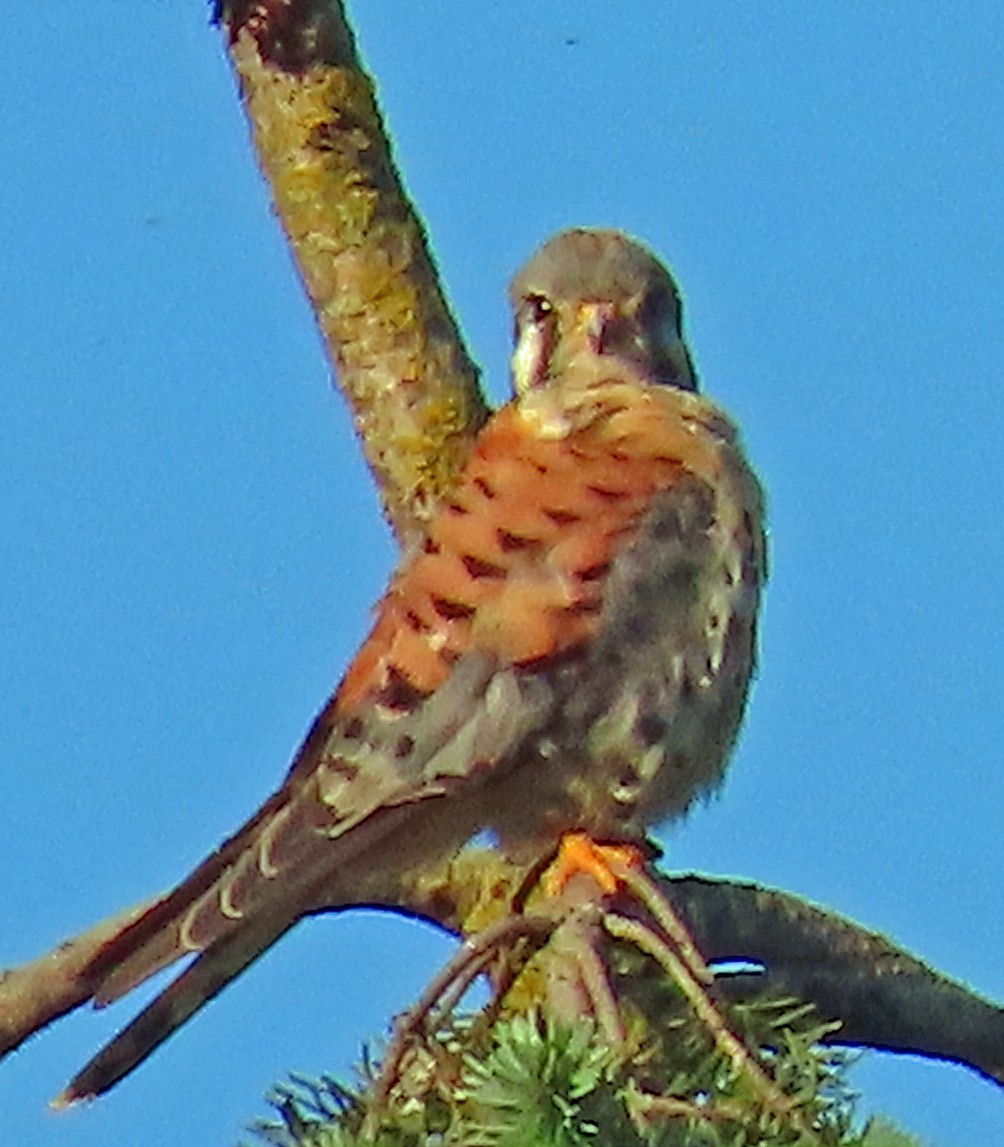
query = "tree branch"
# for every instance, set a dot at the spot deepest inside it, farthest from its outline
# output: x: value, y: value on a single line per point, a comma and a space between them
x: 360, y: 248
x: 35, y: 994
x: 883, y: 997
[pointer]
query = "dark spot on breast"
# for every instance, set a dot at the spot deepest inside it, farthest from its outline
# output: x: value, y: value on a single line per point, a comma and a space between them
x: 584, y: 608
x: 342, y: 769
x: 511, y: 543
x: 606, y: 494
x: 404, y: 747
x: 398, y: 693
x: 430, y: 547
x: 478, y: 567
x: 482, y: 485
x: 594, y: 572
x: 451, y: 610
x: 562, y: 517
x: 353, y: 729
x: 456, y: 508
x: 415, y: 622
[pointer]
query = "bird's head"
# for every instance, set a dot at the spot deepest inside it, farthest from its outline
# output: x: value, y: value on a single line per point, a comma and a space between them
x: 596, y: 297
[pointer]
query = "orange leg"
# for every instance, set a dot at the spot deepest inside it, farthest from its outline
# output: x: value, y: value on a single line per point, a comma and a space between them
x: 578, y: 852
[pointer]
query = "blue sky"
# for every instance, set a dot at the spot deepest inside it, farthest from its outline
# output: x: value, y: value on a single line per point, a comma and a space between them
x: 192, y: 544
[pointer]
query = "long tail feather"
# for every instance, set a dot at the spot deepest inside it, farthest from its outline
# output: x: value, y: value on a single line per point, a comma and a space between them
x: 195, y: 987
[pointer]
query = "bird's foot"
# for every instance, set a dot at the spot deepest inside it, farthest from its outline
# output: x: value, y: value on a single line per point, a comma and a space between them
x: 578, y: 854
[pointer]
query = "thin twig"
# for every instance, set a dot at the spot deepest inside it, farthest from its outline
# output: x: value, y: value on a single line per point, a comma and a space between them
x: 646, y: 940
x: 654, y: 899
x: 646, y: 1108
x: 463, y: 968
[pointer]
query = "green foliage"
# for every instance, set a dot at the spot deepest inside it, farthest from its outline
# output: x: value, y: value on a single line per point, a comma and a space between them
x: 531, y: 1083
x: 542, y: 1085
x: 881, y: 1133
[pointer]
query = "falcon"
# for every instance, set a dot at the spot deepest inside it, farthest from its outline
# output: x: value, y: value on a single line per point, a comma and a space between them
x: 568, y: 651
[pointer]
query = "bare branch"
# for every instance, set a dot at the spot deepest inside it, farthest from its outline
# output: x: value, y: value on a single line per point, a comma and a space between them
x: 884, y: 997
x: 35, y: 994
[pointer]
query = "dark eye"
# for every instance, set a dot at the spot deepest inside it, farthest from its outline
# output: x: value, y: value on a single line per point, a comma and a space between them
x: 535, y: 311
x: 538, y: 308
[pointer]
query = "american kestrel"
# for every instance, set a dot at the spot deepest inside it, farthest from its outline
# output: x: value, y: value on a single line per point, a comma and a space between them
x: 569, y: 649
